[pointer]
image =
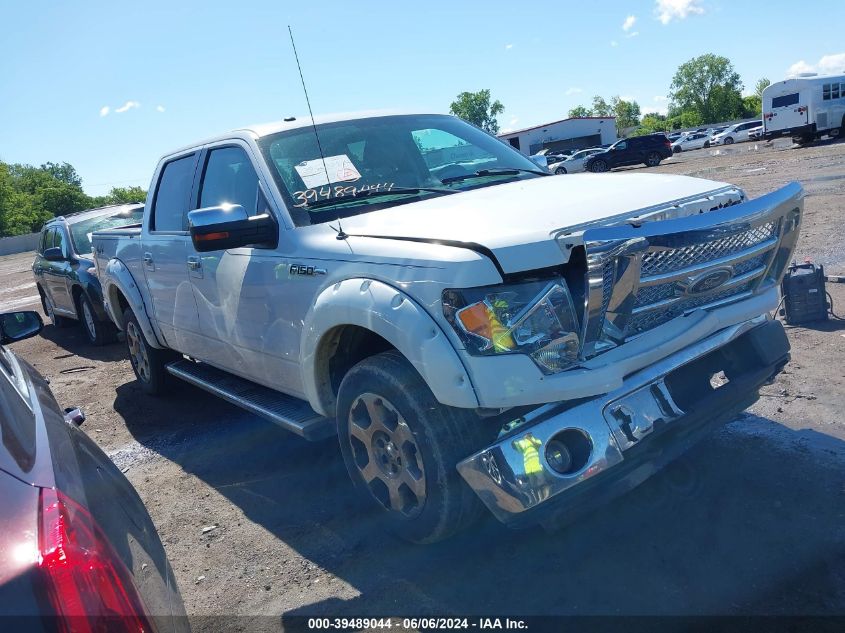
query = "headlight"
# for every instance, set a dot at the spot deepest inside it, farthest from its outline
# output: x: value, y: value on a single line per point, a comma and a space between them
x: 536, y: 318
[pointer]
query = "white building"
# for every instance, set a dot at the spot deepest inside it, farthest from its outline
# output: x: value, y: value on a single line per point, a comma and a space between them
x: 577, y: 133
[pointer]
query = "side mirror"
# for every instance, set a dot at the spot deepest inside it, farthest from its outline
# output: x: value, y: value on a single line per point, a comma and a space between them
x: 229, y: 226
x: 16, y: 326
x: 540, y: 161
x: 54, y: 254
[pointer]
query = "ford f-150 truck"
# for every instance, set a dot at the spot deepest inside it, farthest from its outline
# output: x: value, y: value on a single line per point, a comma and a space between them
x: 475, y: 331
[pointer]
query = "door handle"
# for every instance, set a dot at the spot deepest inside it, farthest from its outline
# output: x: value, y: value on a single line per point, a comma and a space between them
x: 194, y: 263
x: 148, y: 261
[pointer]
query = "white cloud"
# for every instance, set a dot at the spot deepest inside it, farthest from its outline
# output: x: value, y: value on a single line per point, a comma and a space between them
x: 668, y: 10
x: 128, y: 106
x: 629, y: 22
x: 104, y: 111
x: 159, y: 108
x: 827, y: 65
x: 633, y: 34
x: 614, y: 43
x: 513, y: 121
x: 508, y: 47
x: 573, y: 91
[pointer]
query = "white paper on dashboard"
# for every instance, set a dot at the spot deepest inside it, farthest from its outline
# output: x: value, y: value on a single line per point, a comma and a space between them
x: 338, y: 168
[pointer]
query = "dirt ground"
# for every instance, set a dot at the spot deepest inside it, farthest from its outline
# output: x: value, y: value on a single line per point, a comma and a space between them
x: 751, y: 521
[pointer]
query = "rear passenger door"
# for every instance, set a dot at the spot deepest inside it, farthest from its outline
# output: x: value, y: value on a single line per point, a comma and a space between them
x: 165, y: 254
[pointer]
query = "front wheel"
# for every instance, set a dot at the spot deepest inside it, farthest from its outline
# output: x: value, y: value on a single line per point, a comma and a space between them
x: 652, y: 160
x: 599, y: 166
x: 401, y: 447
x: 729, y: 141
x: 560, y: 171
x: 148, y: 362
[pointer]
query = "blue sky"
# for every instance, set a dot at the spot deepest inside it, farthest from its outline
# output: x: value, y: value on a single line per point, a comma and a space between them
x: 110, y: 86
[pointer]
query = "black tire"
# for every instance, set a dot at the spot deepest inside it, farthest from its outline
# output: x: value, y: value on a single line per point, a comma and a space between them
x: 728, y: 140
x: 652, y: 159
x: 560, y: 171
x: 677, y: 149
x: 151, y: 374
x: 599, y: 166
x: 47, y: 305
x: 401, y: 446
x: 96, y: 331
x: 706, y: 144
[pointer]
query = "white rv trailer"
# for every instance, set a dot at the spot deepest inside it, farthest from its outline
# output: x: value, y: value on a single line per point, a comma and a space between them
x: 805, y: 107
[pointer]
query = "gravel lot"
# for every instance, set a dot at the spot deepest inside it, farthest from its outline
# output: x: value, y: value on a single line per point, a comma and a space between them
x: 751, y: 521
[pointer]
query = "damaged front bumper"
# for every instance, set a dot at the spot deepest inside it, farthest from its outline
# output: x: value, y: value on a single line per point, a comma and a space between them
x: 614, y: 442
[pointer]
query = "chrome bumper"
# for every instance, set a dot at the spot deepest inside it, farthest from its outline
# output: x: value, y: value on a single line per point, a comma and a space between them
x: 510, y: 484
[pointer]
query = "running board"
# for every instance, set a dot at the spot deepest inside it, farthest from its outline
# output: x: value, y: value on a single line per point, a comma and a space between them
x: 290, y: 413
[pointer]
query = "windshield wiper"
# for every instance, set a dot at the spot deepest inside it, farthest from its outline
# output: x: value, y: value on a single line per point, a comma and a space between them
x: 496, y: 171
x: 373, y: 193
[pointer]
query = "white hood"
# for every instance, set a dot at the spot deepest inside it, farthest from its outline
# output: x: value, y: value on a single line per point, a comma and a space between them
x: 518, y: 220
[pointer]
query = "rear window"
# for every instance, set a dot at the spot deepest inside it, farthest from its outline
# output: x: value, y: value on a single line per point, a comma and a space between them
x: 170, y: 208
x: 80, y: 232
x: 785, y: 100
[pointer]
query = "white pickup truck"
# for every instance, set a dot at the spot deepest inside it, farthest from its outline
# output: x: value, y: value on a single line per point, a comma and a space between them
x: 475, y: 331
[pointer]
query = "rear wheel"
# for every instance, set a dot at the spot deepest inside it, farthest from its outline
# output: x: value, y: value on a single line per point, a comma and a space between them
x: 401, y: 447
x: 148, y: 362
x: 652, y: 160
x: 47, y: 304
x: 598, y: 166
x: 677, y: 149
x: 98, y: 332
x: 560, y: 170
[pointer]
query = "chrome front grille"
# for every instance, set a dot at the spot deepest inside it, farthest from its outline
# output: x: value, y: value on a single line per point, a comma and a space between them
x: 671, y: 259
x: 640, y: 277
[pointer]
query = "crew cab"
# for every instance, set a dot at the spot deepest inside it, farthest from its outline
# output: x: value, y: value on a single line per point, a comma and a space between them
x: 475, y: 331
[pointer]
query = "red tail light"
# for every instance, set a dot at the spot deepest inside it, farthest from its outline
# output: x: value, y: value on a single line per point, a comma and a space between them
x: 88, y: 586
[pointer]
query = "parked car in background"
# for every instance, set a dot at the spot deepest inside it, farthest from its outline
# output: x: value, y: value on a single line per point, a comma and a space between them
x: 696, y: 140
x: 674, y: 136
x: 575, y: 163
x: 78, y: 550
x: 64, y: 268
x: 649, y: 150
x: 755, y: 133
x: 734, y: 133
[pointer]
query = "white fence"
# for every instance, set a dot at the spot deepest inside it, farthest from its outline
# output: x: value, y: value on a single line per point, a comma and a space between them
x: 18, y: 243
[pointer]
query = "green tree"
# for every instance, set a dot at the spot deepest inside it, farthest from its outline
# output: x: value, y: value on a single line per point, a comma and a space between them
x: 652, y: 122
x: 579, y: 112
x: 476, y: 108
x: 709, y: 86
x: 752, y: 106
x: 761, y: 85
x: 627, y: 113
x: 600, y: 107
x: 125, y: 195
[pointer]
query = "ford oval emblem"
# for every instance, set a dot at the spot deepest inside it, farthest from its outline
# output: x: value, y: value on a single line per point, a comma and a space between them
x: 707, y: 281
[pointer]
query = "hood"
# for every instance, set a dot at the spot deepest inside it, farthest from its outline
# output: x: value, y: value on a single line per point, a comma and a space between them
x: 518, y: 221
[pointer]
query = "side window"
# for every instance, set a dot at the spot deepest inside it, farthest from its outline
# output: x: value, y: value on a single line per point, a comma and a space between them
x: 622, y: 145
x: 230, y: 178
x: 43, y: 243
x: 826, y: 92
x: 61, y: 241
x: 834, y: 91
x: 170, y: 207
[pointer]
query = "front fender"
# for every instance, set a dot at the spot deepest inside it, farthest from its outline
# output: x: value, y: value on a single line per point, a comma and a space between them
x: 118, y: 279
x: 388, y: 312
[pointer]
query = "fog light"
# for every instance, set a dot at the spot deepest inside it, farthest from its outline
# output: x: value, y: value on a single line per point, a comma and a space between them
x: 569, y: 451
x: 558, y: 456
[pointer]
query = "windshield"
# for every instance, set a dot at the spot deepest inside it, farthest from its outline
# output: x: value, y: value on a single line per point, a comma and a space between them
x: 403, y: 158
x: 80, y: 232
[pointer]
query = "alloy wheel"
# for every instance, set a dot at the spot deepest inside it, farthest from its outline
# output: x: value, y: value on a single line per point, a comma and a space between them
x: 138, y: 352
x: 387, y: 455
